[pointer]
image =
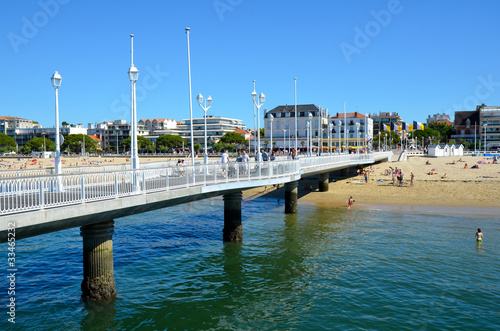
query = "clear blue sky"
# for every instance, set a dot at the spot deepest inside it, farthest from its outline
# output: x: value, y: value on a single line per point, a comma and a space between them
x: 416, y: 57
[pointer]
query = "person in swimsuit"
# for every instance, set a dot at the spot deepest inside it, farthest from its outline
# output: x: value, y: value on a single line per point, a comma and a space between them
x: 479, y: 235
x: 350, y: 201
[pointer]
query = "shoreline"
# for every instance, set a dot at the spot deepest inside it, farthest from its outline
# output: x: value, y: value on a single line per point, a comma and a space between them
x: 452, y: 187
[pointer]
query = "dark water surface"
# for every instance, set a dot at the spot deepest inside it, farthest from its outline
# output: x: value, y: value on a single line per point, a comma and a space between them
x: 321, y: 269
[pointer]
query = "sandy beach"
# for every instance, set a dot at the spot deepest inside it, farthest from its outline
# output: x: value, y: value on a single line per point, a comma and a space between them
x: 461, y: 187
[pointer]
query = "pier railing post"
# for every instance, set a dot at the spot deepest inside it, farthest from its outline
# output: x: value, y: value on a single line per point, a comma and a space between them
x: 233, y: 230
x: 98, y: 282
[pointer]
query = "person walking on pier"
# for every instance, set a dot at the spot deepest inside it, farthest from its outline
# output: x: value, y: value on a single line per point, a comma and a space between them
x: 225, y: 157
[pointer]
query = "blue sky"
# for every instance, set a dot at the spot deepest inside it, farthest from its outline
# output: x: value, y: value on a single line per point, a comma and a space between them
x: 413, y: 57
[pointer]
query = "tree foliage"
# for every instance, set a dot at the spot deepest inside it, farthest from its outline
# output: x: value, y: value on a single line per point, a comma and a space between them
x: 37, y: 145
x: 142, y: 143
x: 167, y: 142
x: 74, y: 143
x: 233, y: 138
x: 445, y: 130
x: 6, y: 141
x: 222, y: 146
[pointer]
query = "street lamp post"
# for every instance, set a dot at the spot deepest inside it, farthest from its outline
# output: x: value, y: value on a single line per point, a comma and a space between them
x: 310, y: 133
x: 475, y: 132
x: 208, y: 104
x: 284, y: 140
x: 271, y: 119
x: 340, y: 136
x: 357, y: 137
x: 296, y: 150
x: 307, y: 134
x: 485, y: 125
x: 56, y: 83
x: 117, y: 151
x: 258, y: 103
x: 190, y: 98
x: 133, y: 75
x: 330, y: 128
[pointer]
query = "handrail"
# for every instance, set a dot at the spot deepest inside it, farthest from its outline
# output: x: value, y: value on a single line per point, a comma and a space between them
x: 26, y: 193
x: 40, y: 192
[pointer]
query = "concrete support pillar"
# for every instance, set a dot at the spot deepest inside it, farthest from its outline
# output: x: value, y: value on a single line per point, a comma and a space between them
x: 98, y: 278
x: 233, y: 230
x: 291, y: 193
x: 345, y: 172
x: 323, y: 182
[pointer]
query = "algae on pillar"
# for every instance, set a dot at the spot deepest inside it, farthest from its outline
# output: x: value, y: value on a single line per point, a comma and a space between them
x: 233, y: 230
x: 98, y: 277
x: 291, y: 195
x: 323, y: 182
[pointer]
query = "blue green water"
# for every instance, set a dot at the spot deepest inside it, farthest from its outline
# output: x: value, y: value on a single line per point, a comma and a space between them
x: 321, y: 269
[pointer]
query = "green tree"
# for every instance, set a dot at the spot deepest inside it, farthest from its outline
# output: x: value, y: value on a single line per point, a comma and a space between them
x: 261, y: 132
x: 390, y: 135
x: 142, y: 143
x: 219, y: 146
x: 6, y: 141
x: 169, y: 141
x: 445, y: 131
x: 74, y: 143
x: 37, y: 145
x: 233, y: 138
x: 197, y: 147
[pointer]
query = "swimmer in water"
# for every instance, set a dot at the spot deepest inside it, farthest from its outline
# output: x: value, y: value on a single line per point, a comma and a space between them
x: 479, y: 235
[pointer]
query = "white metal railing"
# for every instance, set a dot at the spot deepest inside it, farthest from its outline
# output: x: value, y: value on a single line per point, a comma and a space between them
x: 32, y: 193
x: 25, y: 193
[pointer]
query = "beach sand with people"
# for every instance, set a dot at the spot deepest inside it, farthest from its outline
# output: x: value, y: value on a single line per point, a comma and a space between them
x: 461, y: 187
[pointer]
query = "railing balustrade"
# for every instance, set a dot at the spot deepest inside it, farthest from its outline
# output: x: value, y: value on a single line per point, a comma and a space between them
x: 40, y: 191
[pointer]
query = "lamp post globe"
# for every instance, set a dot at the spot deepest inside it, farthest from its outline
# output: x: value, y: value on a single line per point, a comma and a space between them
x: 208, y: 104
x: 258, y: 103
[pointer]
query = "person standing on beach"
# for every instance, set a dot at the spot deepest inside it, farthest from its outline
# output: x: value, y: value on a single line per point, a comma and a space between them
x: 366, y: 177
x: 350, y: 201
x: 412, y: 179
x: 479, y: 235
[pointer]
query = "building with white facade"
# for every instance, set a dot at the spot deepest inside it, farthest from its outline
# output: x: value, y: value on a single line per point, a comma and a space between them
x: 439, y: 118
x: 217, y: 126
x: 113, y: 133
x: 283, y: 126
x: 353, y: 130
x: 23, y: 130
x: 154, y: 126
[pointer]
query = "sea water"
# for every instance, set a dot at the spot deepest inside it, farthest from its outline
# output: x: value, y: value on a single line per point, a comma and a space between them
x: 368, y: 267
